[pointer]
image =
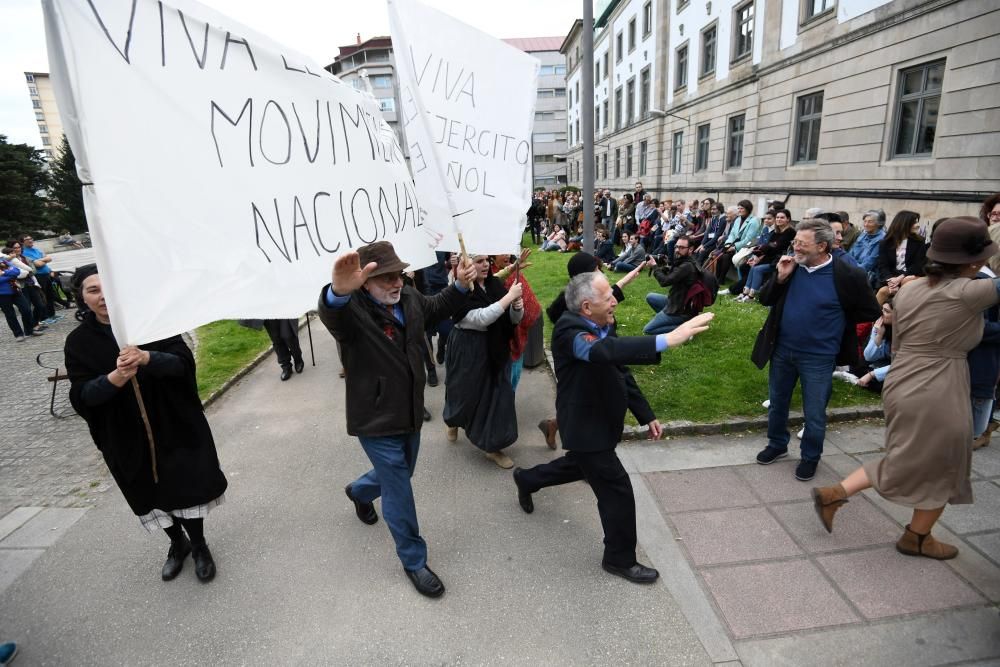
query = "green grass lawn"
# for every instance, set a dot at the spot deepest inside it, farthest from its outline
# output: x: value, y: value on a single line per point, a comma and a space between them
x: 706, y: 380
x: 224, y: 348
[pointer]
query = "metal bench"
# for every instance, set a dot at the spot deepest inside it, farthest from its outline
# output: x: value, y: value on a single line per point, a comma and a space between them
x: 46, y: 360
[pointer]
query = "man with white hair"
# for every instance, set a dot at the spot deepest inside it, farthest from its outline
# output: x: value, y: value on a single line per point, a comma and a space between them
x: 593, y: 390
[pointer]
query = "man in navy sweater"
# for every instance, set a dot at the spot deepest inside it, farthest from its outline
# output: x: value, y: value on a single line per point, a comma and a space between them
x: 817, y: 302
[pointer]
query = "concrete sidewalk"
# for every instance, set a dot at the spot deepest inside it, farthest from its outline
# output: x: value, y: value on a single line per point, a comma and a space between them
x: 302, y: 581
x: 749, y: 576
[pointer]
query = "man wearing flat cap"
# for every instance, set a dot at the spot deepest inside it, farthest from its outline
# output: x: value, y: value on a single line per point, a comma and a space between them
x: 380, y: 325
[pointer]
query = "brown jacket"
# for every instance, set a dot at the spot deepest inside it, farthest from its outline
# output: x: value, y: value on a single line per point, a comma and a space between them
x: 383, y: 359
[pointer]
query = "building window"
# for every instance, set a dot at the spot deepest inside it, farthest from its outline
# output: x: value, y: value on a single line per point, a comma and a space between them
x: 30, y: 78
x: 606, y: 58
x: 808, y: 112
x: 597, y: 167
x: 644, y: 93
x: 682, y: 5
x: 743, y: 33
x: 45, y: 141
x: 708, y: 43
x: 36, y: 104
x: 548, y: 137
x: 631, y: 35
x: 618, y: 108
x: 597, y: 72
x: 381, y: 81
x: 618, y: 163
x: 604, y: 166
x: 39, y: 115
x: 619, y: 47
x: 647, y: 19
x: 43, y: 128
x: 387, y: 104
x: 701, y: 148
x: 676, y: 152
x: 32, y: 90
x: 577, y: 126
x: 917, y: 105
x: 606, y: 114
x: 569, y: 102
x: 597, y: 117
x: 814, y: 8
x: 545, y: 115
x: 681, y: 74
x: 550, y: 70
x: 630, y: 100
x: 734, y: 152
x: 643, y: 150
x: 628, y: 161
x: 551, y: 92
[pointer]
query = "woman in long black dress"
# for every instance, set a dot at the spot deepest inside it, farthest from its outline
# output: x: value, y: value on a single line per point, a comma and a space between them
x: 478, y: 395
x: 190, y: 481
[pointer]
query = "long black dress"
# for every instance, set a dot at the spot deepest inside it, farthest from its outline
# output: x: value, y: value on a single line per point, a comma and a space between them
x: 187, y: 463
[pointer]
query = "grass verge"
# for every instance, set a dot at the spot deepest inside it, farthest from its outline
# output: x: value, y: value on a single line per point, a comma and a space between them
x: 707, y: 380
x: 224, y: 347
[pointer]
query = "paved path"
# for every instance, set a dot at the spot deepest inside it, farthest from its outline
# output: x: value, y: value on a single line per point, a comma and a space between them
x: 749, y: 577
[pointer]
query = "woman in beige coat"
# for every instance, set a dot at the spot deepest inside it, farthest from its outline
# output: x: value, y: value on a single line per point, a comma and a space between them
x: 928, y: 437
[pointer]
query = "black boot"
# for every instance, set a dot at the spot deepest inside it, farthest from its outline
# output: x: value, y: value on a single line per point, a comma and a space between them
x: 432, y: 376
x: 204, y: 565
x: 179, y: 550
x: 299, y: 365
x: 286, y: 372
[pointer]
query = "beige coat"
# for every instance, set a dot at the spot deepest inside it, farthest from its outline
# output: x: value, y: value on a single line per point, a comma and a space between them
x: 928, y: 409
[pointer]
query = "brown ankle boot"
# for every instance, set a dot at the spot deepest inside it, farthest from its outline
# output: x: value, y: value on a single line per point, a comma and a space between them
x: 915, y: 544
x: 982, y: 441
x: 827, y: 500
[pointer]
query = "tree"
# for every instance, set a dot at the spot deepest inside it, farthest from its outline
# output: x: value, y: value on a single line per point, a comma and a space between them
x: 66, y: 192
x: 23, y: 181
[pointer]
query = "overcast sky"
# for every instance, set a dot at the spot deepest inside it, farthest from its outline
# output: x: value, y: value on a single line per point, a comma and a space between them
x: 313, y: 27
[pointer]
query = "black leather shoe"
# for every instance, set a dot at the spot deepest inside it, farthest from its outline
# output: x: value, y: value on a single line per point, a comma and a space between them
x: 204, y: 565
x: 523, y: 497
x: 426, y: 582
x: 432, y: 377
x: 637, y: 573
x: 299, y: 365
x: 440, y: 351
x: 365, y: 511
x: 286, y: 372
x: 175, y: 559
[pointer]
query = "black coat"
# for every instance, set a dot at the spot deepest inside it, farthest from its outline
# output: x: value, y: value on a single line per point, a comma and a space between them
x: 592, y: 396
x: 679, y: 279
x: 385, y: 376
x: 916, y: 255
x: 604, y: 208
x: 856, y: 299
x: 186, y: 460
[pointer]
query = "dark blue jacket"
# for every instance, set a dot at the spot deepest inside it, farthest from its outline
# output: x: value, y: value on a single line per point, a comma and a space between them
x: 984, y: 359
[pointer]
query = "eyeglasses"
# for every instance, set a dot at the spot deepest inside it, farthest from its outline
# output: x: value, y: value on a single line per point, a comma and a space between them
x: 802, y: 244
x: 995, y: 214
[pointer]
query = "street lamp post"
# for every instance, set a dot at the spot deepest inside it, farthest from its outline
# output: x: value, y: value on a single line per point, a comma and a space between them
x: 587, y: 110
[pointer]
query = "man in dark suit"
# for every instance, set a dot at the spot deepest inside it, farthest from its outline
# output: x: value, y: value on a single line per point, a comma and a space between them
x: 609, y: 210
x: 594, y: 388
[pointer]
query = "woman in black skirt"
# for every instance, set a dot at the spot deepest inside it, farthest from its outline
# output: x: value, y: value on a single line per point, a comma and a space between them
x: 190, y: 482
x: 478, y: 394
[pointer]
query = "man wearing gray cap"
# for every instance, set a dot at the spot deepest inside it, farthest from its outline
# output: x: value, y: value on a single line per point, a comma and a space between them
x: 380, y: 325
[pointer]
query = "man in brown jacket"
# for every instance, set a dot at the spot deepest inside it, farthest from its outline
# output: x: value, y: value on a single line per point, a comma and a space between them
x: 380, y: 324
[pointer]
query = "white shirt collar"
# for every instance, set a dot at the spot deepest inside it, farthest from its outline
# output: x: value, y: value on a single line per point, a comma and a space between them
x: 811, y: 269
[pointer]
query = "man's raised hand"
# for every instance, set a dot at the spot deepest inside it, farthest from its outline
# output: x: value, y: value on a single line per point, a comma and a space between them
x: 348, y: 274
x: 785, y: 267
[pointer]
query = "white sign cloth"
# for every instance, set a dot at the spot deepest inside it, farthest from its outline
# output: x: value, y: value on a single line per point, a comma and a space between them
x: 223, y: 172
x: 468, y: 109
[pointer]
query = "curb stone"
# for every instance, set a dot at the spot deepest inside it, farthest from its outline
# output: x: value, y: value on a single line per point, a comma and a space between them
x: 735, y: 424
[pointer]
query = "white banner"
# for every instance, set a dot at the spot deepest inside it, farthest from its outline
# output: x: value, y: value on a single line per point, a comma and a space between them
x: 468, y: 108
x: 223, y: 172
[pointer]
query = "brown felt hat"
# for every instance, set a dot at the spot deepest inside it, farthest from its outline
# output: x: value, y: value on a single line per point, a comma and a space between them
x: 963, y: 240
x: 383, y: 254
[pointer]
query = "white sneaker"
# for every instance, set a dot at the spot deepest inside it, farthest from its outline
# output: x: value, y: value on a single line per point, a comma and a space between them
x: 800, y: 433
x: 766, y: 404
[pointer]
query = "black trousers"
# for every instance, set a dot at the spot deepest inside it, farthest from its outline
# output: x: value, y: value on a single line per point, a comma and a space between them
x: 609, y: 482
x: 284, y: 336
x: 536, y: 230
x: 37, y: 301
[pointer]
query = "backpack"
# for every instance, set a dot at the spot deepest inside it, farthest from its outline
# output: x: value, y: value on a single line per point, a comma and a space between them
x: 702, y: 292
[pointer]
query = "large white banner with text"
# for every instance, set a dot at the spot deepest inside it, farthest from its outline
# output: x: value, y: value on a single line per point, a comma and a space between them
x: 468, y: 107
x: 223, y: 172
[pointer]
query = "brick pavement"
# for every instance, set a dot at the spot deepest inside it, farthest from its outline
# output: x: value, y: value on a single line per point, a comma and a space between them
x: 44, y: 461
x: 776, y: 582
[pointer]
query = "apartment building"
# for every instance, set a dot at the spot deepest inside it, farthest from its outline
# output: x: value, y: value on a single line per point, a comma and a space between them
x: 844, y: 104
x: 43, y: 101
x: 372, y: 58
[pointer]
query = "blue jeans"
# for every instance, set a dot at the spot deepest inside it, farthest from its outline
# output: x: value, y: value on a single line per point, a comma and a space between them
x: 758, y: 274
x: 661, y: 322
x: 623, y: 267
x: 815, y: 374
x: 393, y: 458
x: 982, y: 409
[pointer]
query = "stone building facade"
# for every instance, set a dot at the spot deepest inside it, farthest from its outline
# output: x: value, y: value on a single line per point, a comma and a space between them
x: 843, y: 104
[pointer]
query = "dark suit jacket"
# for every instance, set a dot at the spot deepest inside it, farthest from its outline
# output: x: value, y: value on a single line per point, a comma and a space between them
x: 592, y: 396
x: 604, y: 208
x: 856, y: 299
x: 916, y: 255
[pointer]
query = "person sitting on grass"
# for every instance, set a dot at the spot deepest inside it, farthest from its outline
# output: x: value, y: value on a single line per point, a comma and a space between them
x: 672, y: 311
x: 631, y: 257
